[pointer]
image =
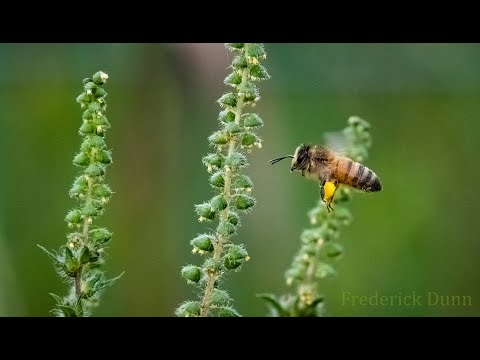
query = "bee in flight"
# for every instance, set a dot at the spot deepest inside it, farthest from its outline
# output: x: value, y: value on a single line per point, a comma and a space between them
x: 330, y: 169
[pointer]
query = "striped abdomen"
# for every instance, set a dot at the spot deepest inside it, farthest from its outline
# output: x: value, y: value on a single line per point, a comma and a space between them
x: 354, y: 174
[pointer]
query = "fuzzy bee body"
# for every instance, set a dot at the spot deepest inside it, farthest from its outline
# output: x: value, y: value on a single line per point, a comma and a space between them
x: 321, y: 164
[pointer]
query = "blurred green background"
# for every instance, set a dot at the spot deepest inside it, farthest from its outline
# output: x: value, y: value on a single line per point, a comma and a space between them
x: 419, y: 234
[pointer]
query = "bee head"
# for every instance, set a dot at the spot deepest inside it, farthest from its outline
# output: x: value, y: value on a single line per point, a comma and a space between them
x: 301, y: 158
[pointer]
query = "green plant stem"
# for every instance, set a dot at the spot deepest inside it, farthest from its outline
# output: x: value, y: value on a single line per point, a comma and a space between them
x: 218, y: 247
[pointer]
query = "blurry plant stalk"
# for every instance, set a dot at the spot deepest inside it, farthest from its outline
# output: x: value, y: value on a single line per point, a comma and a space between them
x: 79, y: 261
x: 233, y: 188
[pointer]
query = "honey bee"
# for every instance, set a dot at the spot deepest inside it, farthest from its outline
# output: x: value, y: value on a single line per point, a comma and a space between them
x: 330, y: 169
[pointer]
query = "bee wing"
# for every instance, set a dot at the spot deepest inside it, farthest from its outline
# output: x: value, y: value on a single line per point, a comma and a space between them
x: 337, y: 141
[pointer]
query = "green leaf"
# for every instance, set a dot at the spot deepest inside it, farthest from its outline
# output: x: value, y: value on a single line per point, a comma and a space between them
x: 85, y: 255
x: 71, y: 262
x: 273, y: 304
x: 52, y: 255
x: 68, y: 311
x: 100, y: 285
x: 58, y: 299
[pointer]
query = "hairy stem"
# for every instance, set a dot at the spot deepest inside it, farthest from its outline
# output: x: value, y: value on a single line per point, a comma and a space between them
x: 221, y: 240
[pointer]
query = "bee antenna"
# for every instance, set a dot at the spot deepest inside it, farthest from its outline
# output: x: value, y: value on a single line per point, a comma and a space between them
x: 274, y: 161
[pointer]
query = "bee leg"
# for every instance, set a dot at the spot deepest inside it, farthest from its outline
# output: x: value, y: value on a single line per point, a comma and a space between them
x: 322, y: 195
x: 329, y: 206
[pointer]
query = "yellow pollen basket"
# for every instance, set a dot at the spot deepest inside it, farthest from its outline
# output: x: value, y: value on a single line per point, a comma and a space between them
x: 327, y: 192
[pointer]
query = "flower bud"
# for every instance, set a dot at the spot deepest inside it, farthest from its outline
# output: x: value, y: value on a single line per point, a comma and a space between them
x: 100, y: 78
x: 228, y: 99
x: 249, y: 139
x: 100, y: 235
x: 239, y: 62
x: 205, y: 212
x: 251, y: 121
x: 217, y: 180
x: 233, y: 218
x: 95, y: 170
x: 89, y: 210
x: 102, y: 190
x: 218, y: 203
x: 74, y: 217
x: 83, y: 98
x: 228, y: 312
x: 192, y: 273
x: 242, y: 182
x: 90, y: 86
x: 101, y: 120
x: 188, y: 308
x: 226, y: 229
x: 93, y: 141
x: 103, y: 156
x: 333, y: 250
x: 220, y: 297
x: 203, y: 242
x: 255, y: 50
x: 226, y: 116
x: 235, y: 256
x: 258, y: 72
x: 324, y: 270
x: 99, y: 92
x: 251, y: 92
x: 233, y: 79
x: 236, y: 161
x: 81, y: 159
x: 214, y: 161
x: 86, y: 128
x: 234, y: 46
x: 243, y: 202
x: 218, y: 138
x: 94, y: 107
x: 232, y: 128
